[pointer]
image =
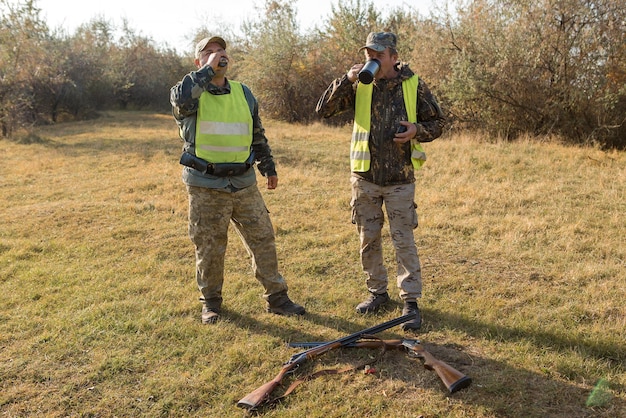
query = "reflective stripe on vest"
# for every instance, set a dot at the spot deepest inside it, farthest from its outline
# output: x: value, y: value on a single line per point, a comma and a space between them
x: 359, y: 145
x: 224, y: 126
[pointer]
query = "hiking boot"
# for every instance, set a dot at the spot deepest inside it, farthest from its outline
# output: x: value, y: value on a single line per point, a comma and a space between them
x: 409, y: 308
x: 211, y: 308
x: 373, y: 303
x: 280, y: 304
x: 210, y: 315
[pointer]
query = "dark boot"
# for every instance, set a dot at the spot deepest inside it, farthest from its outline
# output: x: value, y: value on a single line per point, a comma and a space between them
x: 280, y: 304
x: 373, y: 303
x: 211, y: 310
x: 413, y: 324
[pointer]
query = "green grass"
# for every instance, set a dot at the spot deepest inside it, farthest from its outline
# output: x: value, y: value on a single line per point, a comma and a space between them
x: 522, y: 244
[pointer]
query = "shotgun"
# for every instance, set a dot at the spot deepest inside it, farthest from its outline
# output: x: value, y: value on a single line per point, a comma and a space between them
x: 453, y: 379
x: 260, y: 395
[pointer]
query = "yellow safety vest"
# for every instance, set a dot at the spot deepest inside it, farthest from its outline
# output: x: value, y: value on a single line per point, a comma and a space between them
x: 359, y: 146
x: 224, y: 126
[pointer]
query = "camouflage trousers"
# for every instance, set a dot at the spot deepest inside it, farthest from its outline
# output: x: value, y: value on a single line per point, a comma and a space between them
x: 210, y: 213
x: 367, y: 214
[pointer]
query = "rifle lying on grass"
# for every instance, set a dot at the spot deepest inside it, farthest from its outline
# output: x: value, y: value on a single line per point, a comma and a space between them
x: 261, y: 395
x: 452, y: 378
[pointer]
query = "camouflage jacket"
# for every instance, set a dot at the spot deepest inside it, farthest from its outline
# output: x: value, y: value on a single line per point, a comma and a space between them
x: 390, y: 162
x: 184, y: 98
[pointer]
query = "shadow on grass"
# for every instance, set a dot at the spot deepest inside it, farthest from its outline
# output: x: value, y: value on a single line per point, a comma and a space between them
x: 601, y: 350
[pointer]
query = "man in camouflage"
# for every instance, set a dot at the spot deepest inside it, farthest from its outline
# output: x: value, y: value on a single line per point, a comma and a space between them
x: 219, y: 154
x: 383, y: 168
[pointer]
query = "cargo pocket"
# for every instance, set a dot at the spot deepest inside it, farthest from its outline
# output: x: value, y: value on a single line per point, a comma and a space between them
x: 353, y: 211
x: 414, y: 222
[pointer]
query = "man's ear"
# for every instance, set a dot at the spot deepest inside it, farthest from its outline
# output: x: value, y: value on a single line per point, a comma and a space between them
x: 197, y: 62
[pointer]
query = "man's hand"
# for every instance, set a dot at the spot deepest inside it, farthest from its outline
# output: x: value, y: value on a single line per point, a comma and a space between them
x: 407, y: 135
x: 272, y: 182
x: 214, y: 59
x: 353, y: 73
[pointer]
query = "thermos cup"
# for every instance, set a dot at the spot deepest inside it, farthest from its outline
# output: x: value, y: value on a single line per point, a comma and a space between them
x: 369, y: 70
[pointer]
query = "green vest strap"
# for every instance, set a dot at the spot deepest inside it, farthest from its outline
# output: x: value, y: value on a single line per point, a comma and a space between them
x: 409, y: 91
x: 359, y: 145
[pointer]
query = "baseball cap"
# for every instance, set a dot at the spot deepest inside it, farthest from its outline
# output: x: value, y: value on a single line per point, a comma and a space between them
x: 379, y: 41
x: 204, y: 42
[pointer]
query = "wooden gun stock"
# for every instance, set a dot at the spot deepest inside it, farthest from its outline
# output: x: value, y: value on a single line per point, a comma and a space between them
x: 451, y: 377
x: 262, y: 394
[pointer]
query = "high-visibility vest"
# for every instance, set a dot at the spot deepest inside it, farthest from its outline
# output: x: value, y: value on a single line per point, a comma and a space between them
x: 359, y: 145
x: 224, y: 126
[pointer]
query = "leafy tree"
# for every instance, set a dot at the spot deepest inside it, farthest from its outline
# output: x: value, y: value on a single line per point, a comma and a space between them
x: 273, y: 60
x: 343, y: 33
x: 347, y: 28
x: 46, y: 77
x: 88, y: 56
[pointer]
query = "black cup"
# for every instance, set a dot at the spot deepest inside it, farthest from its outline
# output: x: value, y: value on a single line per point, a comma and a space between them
x: 369, y: 70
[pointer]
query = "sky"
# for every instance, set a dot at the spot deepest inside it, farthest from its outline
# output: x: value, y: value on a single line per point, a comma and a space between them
x: 171, y: 22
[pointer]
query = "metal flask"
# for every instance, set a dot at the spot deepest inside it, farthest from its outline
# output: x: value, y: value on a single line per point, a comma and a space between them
x: 369, y: 70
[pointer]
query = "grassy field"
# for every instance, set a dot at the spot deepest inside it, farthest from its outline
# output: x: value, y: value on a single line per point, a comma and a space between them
x: 523, y: 247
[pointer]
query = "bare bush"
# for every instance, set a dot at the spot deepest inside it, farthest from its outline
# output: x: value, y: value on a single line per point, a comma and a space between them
x: 508, y: 67
x: 543, y: 67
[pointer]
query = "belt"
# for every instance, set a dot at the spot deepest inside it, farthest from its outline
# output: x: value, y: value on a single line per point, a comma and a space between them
x: 227, y: 169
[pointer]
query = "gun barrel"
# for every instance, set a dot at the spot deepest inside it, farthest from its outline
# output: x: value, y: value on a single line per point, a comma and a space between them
x: 352, y: 338
x: 376, y: 329
x: 365, y: 343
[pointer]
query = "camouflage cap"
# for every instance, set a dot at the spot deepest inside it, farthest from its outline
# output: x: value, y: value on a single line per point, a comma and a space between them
x: 204, y: 42
x: 379, y: 41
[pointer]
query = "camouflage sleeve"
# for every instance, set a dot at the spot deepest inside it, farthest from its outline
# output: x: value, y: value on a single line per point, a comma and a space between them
x: 431, y: 119
x: 262, y: 151
x: 260, y: 145
x: 185, y: 94
x: 338, y: 97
